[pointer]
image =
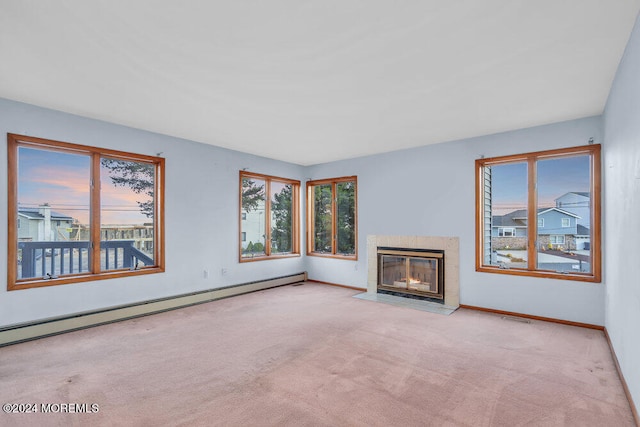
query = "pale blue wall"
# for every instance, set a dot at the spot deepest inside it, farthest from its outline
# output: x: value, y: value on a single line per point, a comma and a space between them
x: 201, y: 216
x: 622, y: 214
x: 430, y: 191
x: 426, y: 191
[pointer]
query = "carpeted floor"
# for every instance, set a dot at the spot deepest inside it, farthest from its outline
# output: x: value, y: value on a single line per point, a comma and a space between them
x: 312, y: 355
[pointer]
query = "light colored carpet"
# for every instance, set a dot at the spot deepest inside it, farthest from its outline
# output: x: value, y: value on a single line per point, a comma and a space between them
x: 312, y: 355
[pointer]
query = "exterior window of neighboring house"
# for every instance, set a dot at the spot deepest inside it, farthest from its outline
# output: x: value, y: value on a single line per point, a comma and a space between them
x: 332, y: 218
x: 66, y: 239
x: 269, y: 217
x: 516, y: 190
x: 507, y: 232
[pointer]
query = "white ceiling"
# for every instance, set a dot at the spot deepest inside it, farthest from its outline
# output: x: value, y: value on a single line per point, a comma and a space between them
x: 311, y: 81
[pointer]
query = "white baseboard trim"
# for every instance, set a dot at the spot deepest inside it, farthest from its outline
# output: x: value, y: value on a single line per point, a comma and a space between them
x: 14, y: 334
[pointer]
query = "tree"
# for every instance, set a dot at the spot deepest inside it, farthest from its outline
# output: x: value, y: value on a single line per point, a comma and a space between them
x: 322, y: 217
x: 346, y: 217
x: 282, y: 226
x: 140, y: 177
x: 252, y: 195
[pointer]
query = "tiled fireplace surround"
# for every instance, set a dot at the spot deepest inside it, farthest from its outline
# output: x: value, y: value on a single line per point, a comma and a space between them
x: 450, y: 246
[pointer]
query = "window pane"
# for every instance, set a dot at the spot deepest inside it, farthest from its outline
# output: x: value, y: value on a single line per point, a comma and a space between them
x: 564, y: 205
x: 505, y: 215
x: 322, y: 227
x: 346, y: 218
x: 253, y: 224
x: 127, y: 212
x: 281, y: 218
x: 53, y: 213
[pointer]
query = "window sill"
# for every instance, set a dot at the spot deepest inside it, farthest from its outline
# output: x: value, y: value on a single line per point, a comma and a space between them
x: 335, y: 256
x: 268, y: 257
x: 541, y: 274
x: 80, y: 278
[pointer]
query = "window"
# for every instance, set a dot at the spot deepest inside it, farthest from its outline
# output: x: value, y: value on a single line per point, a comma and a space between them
x: 269, y: 217
x: 517, y: 190
x: 332, y: 217
x: 506, y: 232
x: 93, y: 191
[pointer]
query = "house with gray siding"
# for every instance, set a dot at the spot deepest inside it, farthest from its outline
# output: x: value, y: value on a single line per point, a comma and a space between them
x: 577, y: 202
x: 43, y: 225
x: 557, y: 228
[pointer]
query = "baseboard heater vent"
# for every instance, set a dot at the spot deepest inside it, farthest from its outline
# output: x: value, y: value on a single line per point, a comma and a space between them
x: 46, y: 327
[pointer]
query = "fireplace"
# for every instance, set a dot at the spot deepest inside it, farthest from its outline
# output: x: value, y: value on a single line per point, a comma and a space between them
x: 411, y: 272
x: 448, y: 246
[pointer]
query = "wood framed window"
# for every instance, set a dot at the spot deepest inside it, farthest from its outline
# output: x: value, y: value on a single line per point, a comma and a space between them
x: 552, y: 200
x: 79, y: 213
x: 332, y: 220
x: 269, y: 217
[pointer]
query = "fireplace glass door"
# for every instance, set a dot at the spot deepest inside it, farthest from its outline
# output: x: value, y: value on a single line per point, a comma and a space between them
x: 410, y: 274
x: 423, y: 273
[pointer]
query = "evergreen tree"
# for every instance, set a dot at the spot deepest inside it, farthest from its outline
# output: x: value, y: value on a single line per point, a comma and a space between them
x: 252, y: 195
x: 140, y: 177
x: 322, y: 216
x: 346, y: 218
x: 282, y: 220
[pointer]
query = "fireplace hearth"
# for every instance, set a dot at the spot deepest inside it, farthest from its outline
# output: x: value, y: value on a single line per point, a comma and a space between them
x: 415, y: 273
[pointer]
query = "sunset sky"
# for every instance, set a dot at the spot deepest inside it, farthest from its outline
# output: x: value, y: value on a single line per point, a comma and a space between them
x: 555, y: 178
x: 62, y: 180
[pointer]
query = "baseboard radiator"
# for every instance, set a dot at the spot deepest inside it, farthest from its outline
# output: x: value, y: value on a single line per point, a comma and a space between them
x: 14, y: 334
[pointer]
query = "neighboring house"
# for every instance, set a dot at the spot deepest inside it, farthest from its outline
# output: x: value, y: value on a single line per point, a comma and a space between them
x: 557, y: 228
x: 577, y: 202
x: 41, y: 224
x: 253, y: 226
x: 141, y: 234
x: 583, y: 238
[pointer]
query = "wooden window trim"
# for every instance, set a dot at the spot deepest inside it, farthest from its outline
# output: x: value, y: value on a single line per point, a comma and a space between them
x: 594, y: 151
x: 15, y: 141
x: 295, y: 203
x: 310, y: 223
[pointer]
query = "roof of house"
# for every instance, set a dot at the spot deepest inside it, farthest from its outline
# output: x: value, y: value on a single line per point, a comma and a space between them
x: 544, y: 210
x: 515, y: 218
x: 582, y: 230
x: 579, y: 193
x: 34, y: 213
x: 510, y: 219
